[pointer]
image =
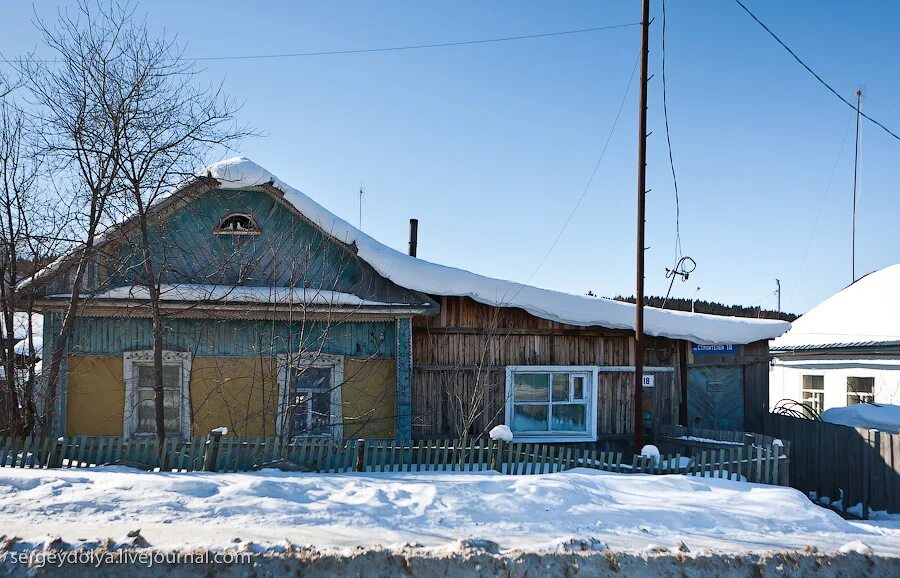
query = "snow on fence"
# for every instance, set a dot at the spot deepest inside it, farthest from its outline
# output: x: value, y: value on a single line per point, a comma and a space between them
x: 215, y: 453
x: 694, y: 441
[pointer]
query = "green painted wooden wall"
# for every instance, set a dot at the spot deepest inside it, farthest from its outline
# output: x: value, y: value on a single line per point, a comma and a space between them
x: 229, y: 337
x: 287, y: 252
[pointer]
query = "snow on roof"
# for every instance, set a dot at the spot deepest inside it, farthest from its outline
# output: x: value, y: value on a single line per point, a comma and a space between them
x: 241, y: 294
x: 882, y: 417
x: 431, y: 278
x: 866, y: 312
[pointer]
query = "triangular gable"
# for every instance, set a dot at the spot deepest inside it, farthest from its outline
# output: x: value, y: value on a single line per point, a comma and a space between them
x: 287, y: 249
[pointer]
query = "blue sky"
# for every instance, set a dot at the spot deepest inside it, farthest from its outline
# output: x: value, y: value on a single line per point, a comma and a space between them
x: 491, y: 146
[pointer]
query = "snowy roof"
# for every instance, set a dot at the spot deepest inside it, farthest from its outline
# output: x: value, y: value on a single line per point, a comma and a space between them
x: 242, y: 294
x: 433, y: 279
x: 865, y: 313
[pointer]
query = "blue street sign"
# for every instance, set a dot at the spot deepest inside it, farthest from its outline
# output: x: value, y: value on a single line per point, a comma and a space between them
x: 715, y: 349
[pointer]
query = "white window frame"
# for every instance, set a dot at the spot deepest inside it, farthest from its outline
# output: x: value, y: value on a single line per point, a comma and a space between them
x: 326, y: 360
x: 590, y: 397
x: 133, y: 359
x: 804, y: 390
x: 864, y: 397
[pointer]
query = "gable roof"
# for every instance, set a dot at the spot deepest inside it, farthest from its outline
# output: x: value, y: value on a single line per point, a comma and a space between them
x: 864, y: 314
x: 434, y: 279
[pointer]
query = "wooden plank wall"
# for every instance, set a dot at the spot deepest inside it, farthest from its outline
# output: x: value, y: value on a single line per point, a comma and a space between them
x: 829, y: 459
x: 465, y: 349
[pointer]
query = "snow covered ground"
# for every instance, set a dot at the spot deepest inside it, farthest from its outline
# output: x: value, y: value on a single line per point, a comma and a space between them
x: 622, y: 512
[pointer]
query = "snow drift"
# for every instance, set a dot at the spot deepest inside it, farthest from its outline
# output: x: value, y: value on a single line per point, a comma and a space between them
x: 536, y: 513
x: 878, y: 416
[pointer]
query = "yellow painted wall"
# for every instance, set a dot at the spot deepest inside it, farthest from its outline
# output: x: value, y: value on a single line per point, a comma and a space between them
x: 369, y: 398
x: 95, y: 395
x: 239, y: 393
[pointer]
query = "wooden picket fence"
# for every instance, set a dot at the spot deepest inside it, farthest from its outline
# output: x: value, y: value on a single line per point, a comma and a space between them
x: 211, y: 453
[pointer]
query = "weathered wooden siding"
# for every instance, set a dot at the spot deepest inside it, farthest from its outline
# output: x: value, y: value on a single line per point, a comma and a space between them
x: 753, y: 358
x: 463, y: 352
x: 227, y: 337
x: 249, y: 339
x: 289, y: 251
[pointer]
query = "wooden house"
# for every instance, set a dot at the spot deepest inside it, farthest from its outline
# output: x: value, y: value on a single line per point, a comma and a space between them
x: 279, y: 318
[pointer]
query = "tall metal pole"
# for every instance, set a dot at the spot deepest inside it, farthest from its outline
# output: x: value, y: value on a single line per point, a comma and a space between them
x: 641, y: 192
x: 855, y: 181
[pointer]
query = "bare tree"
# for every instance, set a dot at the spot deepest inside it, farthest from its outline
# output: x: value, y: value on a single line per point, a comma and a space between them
x: 168, y: 125
x: 26, y: 241
x: 81, y: 130
x: 472, y: 390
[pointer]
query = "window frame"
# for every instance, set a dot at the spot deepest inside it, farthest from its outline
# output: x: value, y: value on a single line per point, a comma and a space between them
x: 862, y: 397
x: 590, y: 402
x: 325, y: 360
x: 814, y: 391
x: 134, y: 359
x: 252, y: 231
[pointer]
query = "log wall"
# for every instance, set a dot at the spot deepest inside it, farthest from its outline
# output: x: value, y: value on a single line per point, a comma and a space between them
x: 462, y: 354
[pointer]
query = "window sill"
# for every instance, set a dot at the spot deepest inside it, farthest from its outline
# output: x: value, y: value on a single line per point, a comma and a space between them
x: 553, y: 438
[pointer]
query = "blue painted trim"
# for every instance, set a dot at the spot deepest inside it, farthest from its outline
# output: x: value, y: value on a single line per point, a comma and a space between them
x: 403, y: 427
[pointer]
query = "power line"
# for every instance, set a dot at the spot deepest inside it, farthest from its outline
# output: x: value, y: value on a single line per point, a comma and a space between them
x: 669, y: 139
x: 819, y: 212
x: 590, y: 180
x: 811, y: 71
x: 684, y: 265
x: 396, y: 48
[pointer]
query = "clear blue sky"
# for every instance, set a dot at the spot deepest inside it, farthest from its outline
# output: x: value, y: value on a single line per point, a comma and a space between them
x: 490, y: 146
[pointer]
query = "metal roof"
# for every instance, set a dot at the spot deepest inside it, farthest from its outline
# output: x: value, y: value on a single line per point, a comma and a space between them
x: 845, y: 345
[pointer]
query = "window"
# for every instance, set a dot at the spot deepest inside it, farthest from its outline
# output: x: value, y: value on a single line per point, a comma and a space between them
x: 860, y: 390
x: 551, y: 403
x: 310, y: 401
x: 814, y: 392
x: 237, y: 224
x: 140, y: 398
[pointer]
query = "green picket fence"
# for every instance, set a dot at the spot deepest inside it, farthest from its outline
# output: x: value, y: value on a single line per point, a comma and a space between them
x: 751, y: 463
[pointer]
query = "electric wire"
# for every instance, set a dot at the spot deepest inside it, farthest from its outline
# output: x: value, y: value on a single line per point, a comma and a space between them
x: 683, y: 266
x: 389, y: 48
x: 819, y: 212
x: 811, y: 71
x: 590, y: 180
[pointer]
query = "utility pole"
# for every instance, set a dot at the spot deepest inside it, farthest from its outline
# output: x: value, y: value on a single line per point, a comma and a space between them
x: 778, y: 292
x: 641, y: 192
x: 855, y: 181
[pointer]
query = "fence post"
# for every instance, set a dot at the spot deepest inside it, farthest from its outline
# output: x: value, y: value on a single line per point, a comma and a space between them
x: 866, y: 474
x: 360, y: 465
x: 211, y: 453
x: 54, y: 460
x: 496, y: 457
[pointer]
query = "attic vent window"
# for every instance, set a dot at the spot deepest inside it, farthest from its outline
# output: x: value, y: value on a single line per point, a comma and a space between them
x: 237, y: 224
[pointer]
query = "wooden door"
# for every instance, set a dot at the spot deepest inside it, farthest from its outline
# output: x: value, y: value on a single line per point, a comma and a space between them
x: 715, y: 398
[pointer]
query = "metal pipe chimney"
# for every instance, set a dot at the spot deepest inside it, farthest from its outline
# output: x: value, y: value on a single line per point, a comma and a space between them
x: 413, y: 236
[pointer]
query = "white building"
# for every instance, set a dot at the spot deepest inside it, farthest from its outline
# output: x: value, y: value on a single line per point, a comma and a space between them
x: 846, y: 350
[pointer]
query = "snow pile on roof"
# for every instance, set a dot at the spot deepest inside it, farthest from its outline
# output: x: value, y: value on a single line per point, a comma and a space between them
x: 434, y: 279
x: 882, y: 417
x: 865, y: 312
x: 625, y: 512
x: 240, y: 294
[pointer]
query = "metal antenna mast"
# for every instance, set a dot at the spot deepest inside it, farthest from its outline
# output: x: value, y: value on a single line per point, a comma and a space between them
x: 855, y: 181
